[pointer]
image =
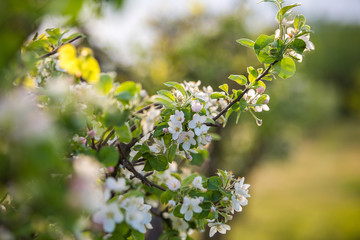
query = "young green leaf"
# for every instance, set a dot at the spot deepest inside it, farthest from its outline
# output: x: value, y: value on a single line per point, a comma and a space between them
x: 285, y: 68
x: 240, y: 79
x: 246, y: 42
x: 299, y: 22
x: 225, y: 88
x: 217, y: 95
x: 298, y: 46
x: 262, y: 41
x: 287, y: 8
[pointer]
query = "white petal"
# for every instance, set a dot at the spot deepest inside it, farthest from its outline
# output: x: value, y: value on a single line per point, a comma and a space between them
x: 213, y: 230
x: 192, y: 124
x: 188, y: 215
x: 265, y: 107
x: 109, y: 225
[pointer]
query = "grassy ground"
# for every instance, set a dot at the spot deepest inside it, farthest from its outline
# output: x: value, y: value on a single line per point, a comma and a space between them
x: 315, y: 194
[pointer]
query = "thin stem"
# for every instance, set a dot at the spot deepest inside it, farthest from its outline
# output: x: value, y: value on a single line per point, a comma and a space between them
x: 56, y: 49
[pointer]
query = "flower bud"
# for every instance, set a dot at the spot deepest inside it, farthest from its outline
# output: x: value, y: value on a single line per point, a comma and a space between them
x: 91, y: 133
x: 201, y: 199
x: 188, y: 157
x: 260, y: 90
x: 82, y: 140
x: 213, y: 209
x: 171, y: 203
x: 165, y: 130
x: 111, y: 169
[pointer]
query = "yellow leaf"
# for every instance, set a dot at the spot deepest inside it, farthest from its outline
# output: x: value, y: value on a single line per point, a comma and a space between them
x: 90, y: 69
x: 68, y: 60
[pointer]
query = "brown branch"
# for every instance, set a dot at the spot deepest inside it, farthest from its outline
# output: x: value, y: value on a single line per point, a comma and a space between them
x: 243, y: 93
x: 129, y: 166
x: 56, y: 49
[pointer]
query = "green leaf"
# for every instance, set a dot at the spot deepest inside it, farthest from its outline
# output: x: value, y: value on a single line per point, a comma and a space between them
x: 177, y: 86
x: 172, y: 152
x: 285, y: 68
x: 104, y: 85
x: 197, y: 159
x: 136, y: 235
x: 243, y: 104
x: 217, y: 95
x: 167, y: 196
x: 108, y: 155
x: 213, y: 183
x: 116, y: 117
x: 258, y: 84
x: 253, y: 74
x: 164, y: 101
x: 225, y: 88
x: 126, y: 90
x: 188, y: 180
x: 167, y: 94
x: 159, y: 129
x: 246, y: 42
x: 298, y: 46
x: 159, y: 163
x: 262, y: 41
x: 177, y: 213
x: 264, y: 57
x: 299, y: 21
x: 124, y: 133
x: 240, y: 79
x: 287, y: 8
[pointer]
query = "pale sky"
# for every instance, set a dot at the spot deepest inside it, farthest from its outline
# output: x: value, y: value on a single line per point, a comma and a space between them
x: 124, y: 29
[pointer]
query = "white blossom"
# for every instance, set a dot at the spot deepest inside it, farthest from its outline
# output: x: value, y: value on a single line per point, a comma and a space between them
x: 197, y: 123
x: 241, y: 188
x: 238, y: 201
x: 173, y: 184
x: 175, y: 128
x: 190, y: 205
x: 137, y: 213
x: 111, y: 184
x: 187, y: 139
x: 197, y: 183
x: 196, y: 106
x: 158, y: 146
x: 178, y: 117
x: 108, y: 215
x: 218, y: 227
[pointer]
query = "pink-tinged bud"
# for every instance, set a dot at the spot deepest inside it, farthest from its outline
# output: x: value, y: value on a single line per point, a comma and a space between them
x: 82, y: 140
x: 111, y: 169
x: 208, y: 138
x: 91, y: 133
x: 201, y: 199
x: 188, y: 157
x: 213, y: 209
x: 260, y: 90
x: 266, y: 100
x: 230, y: 217
x: 165, y: 130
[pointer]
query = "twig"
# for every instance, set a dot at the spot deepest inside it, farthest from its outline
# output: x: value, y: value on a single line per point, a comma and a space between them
x: 243, y: 93
x: 56, y: 49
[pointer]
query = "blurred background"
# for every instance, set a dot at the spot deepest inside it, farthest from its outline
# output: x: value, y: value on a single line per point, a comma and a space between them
x: 303, y: 163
